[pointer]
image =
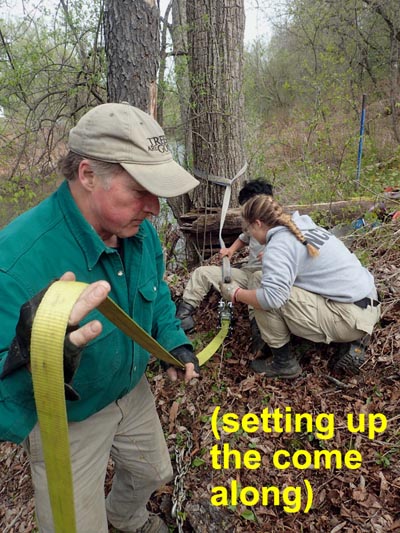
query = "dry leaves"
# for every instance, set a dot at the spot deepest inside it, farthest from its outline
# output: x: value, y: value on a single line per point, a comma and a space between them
x: 344, y: 500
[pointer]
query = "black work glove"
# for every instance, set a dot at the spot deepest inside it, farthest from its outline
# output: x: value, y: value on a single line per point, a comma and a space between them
x: 19, y: 351
x: 185, y: 355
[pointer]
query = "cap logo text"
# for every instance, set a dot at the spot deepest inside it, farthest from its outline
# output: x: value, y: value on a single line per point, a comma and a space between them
x: 158, y: 144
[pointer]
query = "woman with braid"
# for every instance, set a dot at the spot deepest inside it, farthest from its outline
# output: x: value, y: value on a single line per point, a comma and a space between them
x: 312, y: 286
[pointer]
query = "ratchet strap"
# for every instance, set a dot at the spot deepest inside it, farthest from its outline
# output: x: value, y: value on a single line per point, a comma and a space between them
x: 47, y: 354
x: 219, y: 180
x: 226, y: 265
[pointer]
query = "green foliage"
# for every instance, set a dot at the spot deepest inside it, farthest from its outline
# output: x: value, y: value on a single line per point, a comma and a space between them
x: 52, y: 70
x: 303, y: 94
x: 383, y: 459
x: 247, y: 514
x: 53, y: 64
x: 197, y: 461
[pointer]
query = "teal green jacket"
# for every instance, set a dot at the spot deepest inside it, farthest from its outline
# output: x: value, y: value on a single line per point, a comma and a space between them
x: 41, y: 245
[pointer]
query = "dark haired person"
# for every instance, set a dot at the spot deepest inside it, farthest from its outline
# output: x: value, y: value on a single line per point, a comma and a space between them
x: 205, y: 277
x: 312, y: 286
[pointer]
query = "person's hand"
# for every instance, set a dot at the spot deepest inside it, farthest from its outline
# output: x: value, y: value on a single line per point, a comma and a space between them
x: 226, y: 252
x: 228, y: 291
x: 76, y: 337
x: 185, y: 355
x: 90, y: 298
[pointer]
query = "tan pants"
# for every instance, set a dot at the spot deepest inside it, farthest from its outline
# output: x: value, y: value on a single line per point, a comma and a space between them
x: 205, y: 277
x: 128, y: 429
x: 315, y: 318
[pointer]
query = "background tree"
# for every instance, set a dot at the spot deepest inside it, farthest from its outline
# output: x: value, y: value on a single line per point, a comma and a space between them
x: 179, y: 130
x: 132, y: 42
x: 179, y: 35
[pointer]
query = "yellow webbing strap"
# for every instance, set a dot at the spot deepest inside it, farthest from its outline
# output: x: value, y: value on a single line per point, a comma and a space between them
x: 47, y: 349
x: 213, y: 346
x: 47, y: 353
x: 124, y: 322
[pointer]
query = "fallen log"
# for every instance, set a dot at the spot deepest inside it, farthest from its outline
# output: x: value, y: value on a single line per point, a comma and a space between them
x: 202, y: 228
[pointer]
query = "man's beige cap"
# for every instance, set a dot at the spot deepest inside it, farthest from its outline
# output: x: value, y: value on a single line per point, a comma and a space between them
x: 121, y: 133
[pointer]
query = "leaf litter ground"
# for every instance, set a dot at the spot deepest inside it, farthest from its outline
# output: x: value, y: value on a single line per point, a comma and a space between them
x: 366, y: 499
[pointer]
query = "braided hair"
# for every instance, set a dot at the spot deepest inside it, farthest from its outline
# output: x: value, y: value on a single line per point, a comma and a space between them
x: 270, y: 212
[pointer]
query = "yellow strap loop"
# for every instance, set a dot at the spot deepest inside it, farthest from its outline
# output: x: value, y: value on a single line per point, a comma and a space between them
x: 216, y: 342
x: 47, y: 353
x: 47, y: 350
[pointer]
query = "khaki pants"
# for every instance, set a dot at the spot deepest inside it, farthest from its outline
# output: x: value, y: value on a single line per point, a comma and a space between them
x: 128, y: 429
x: 315, y: 318
x: 205, y: 277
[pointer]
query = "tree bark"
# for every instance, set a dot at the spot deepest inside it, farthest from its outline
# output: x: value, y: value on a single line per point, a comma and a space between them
x: 132, y: 44
x: 183, y: 134
x: 216, y: 33
x: 180, y: 50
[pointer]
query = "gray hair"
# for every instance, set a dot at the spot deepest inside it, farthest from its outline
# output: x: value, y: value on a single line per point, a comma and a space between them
x: 69, y: 165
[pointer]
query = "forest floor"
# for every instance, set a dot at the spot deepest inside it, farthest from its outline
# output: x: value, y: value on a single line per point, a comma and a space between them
x: 346, y: 497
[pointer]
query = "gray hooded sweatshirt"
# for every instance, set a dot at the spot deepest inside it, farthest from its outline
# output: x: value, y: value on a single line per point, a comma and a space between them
x: 335, y: 273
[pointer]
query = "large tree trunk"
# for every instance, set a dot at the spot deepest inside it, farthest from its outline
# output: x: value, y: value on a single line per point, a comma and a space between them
x: 163, y: 64
x: 132, y: 43
x: 215, y: 38
x: 216, y: 33
x: 180, y: 49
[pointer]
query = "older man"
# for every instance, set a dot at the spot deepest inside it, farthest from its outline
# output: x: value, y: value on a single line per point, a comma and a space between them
x: 95, y: 225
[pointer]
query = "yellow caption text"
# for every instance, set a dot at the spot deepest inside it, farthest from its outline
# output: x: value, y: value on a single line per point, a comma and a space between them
x: 292, y: 498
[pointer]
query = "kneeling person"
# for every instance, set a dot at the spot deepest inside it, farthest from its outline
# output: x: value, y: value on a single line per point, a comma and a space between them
x: 247, y: 277
x: 312, y: 286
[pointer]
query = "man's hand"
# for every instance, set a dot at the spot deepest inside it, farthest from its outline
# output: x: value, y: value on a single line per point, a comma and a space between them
x: 76, y: 337
x: 228, y: 291
x: 90, y: 298
x: 185, y: 355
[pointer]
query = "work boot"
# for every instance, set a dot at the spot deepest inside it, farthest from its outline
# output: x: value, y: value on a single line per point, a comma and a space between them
x: 184, y: 313
x: 348, y: 357
x: 257, y: 344
x: 154, y: 524
x: 283, y: 364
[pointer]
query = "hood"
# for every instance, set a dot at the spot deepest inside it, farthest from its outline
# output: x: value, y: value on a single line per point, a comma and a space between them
x: 303, y: 222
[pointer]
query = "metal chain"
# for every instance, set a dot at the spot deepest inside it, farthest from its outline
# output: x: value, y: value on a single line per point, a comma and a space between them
x: 183, y: 461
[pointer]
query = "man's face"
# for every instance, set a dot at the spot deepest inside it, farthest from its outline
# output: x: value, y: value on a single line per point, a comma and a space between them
x: 119, y: 207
